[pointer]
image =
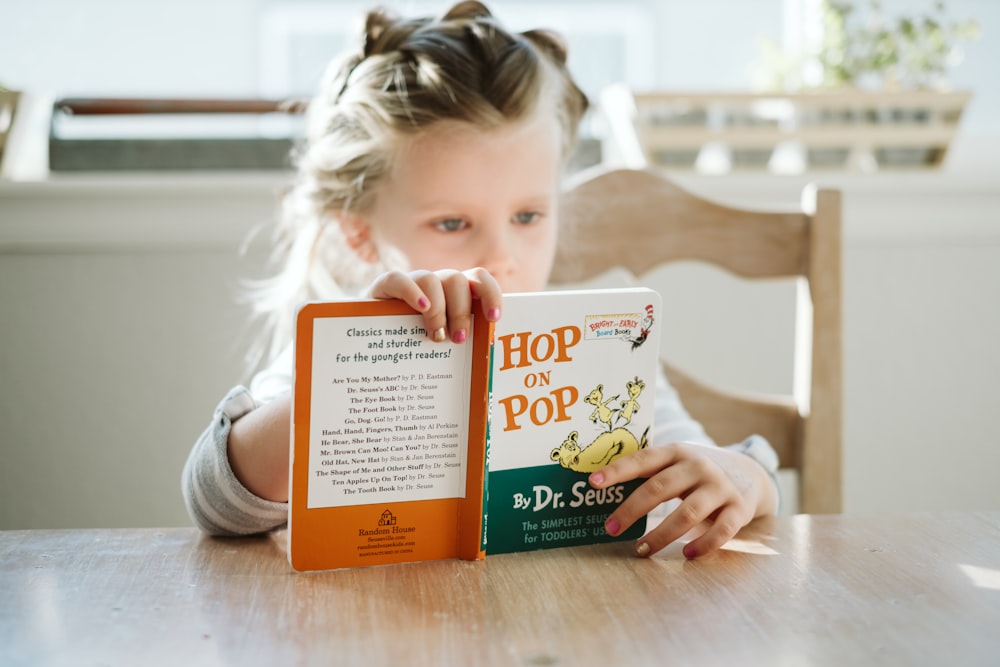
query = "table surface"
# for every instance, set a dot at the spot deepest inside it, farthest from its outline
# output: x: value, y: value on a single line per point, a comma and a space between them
x: 910, y: 589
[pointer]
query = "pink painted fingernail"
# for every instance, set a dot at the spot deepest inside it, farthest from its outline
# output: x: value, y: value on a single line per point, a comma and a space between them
x: 690, y: 552
x: 423, y: 302
x: 493, y: 314
x: 597, y: 478
x: 459, y: 336
x: 612, y: 526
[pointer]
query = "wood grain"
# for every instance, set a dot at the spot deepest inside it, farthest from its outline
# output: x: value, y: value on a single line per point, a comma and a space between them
x: 919, y: 589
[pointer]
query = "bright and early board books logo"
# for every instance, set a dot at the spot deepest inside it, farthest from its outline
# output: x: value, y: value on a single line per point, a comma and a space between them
x: 630, y: 327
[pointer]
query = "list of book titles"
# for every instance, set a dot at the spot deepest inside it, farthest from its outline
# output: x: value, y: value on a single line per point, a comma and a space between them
x: 388, y: 413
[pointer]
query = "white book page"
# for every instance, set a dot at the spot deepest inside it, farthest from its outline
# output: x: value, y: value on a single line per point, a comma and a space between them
x: 389, y: 412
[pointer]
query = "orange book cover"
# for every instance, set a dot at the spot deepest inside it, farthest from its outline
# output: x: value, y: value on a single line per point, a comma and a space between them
x: 388, y: 438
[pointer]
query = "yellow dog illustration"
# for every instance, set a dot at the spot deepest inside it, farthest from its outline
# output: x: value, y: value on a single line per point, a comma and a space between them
x: 604, y: 449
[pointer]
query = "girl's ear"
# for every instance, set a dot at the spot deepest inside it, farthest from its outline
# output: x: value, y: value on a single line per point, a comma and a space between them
x: 358, y: 235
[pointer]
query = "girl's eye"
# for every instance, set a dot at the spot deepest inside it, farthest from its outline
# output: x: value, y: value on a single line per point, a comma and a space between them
x: 451, y: 224
x: 527, y: 217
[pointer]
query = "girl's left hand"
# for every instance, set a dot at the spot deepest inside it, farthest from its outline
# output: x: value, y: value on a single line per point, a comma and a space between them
x: 444, y: 298
x: 721, y: 488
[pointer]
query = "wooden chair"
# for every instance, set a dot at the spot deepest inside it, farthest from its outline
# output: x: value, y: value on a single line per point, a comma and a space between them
x: 640, y: 215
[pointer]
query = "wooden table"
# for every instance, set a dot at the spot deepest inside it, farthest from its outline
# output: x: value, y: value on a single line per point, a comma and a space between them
x: 916, y: 589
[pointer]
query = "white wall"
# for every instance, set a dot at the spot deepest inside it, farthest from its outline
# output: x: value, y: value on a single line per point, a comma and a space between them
x: 115, y: 343
x: 921, y: 294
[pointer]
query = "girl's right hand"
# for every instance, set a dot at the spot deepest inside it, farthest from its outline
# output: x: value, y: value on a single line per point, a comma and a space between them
x: 444, y: 297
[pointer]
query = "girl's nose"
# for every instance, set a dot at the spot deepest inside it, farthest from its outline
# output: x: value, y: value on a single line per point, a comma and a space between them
x: 499, y: 256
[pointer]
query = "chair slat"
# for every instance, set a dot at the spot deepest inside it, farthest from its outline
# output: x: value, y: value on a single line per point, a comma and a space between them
x: 639, y: 220
x: 729, y: 417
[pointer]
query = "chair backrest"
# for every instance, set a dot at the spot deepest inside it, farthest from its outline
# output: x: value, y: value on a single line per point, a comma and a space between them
x: 611, y: 215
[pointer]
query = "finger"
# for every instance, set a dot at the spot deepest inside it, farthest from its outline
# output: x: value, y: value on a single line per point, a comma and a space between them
x: 458, y: 305
x: 671, y: 482
x: 694, y: 509
x: 436, y: 313
x: 399, y: 285
x: 485, y: 288
x: 644, y: 463
x: 724, y: 528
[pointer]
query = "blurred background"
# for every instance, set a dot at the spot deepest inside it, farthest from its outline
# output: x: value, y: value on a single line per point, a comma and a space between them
x: 120, y: 320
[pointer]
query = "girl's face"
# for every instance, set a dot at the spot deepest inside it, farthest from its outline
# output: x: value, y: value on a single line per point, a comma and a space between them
x: 459, y: 197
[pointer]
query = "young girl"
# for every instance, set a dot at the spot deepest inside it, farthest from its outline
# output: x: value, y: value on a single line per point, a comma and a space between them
x: 430, y: 173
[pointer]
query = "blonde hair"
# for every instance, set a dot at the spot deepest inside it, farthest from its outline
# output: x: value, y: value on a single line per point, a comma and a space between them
x: 406, y: 75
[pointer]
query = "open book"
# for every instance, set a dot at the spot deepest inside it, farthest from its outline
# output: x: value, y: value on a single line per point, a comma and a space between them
x: 406, y: 450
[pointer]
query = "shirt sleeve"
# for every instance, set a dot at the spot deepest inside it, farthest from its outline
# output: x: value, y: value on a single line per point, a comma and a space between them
x: 216, y: 500
x: 671, y: 421
x: 275, y: 380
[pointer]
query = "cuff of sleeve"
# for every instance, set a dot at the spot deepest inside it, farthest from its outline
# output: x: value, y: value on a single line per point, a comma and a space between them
x: 760, y: 450
x: 237, y: 404
x: 217, y: 500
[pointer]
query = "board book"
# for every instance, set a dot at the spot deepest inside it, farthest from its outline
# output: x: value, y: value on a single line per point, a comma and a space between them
x: 404, y: 449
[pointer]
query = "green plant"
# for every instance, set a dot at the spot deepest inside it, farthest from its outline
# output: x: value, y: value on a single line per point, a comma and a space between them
x: 912, y: 52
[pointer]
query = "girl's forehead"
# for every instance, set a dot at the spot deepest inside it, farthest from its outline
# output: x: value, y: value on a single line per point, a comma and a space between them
x: 458, y: 166
x: 460, y: 142
x: 440, y: 138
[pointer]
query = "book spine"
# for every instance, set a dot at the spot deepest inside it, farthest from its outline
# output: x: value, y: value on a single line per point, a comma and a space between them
x: 484, y: 530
